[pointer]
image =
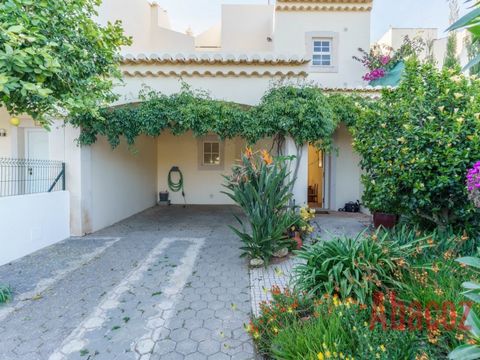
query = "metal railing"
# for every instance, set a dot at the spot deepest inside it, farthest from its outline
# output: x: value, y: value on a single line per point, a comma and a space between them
x: 30, y: 176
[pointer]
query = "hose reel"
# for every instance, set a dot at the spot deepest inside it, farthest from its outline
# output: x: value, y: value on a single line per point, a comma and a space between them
x: 176, y: 186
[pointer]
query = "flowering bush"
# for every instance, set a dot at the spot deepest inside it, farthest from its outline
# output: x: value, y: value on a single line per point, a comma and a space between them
x: 473, y: 184
x: 416, y: 144
x: 260, y: 187
x: 285, y: 309
x: 381, y: 59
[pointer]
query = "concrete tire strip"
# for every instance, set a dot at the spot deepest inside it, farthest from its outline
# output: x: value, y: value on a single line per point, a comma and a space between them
x: 163, y: 309
x: 26, y: 298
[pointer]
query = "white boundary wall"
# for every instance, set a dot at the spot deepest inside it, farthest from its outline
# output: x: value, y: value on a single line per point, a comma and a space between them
x: 31, y: 222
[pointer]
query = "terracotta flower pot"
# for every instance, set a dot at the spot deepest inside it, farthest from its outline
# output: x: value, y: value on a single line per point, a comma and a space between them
x: 298, y: 239
x: 388, y: 221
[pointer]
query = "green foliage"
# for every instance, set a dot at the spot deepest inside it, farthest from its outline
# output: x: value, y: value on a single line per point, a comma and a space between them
x: 451, y: 59
x: 416, y: 144
x: 342, y: 331
x: 472, y: 292
x: 284, y: 310
x: 302, y: 112
x: 5, y: 294
x: 439, y: 243
x: 54, y: 57
x: 259, y: 185
x: 347, y: 108
x: 352, y: 267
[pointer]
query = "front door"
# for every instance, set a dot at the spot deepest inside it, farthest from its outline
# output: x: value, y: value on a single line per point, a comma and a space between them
x: 37, y: 178
x: 316, y: 175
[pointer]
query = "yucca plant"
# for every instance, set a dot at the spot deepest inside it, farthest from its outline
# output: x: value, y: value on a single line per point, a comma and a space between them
x: 352, y: 267
x: 260, y: 186
x: 5, y: 294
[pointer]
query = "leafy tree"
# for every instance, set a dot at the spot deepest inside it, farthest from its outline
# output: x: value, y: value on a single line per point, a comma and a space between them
x: 54, y: 58
x: 417, y: 143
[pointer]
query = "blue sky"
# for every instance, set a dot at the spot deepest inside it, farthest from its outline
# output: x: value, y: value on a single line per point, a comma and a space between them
x: 201, y: 14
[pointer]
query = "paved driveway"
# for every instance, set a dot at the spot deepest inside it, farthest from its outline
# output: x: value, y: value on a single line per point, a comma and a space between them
x: 164, y: 284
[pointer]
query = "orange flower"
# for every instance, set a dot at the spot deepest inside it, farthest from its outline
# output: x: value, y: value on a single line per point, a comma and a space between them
x: 266, y: 157
x: 249, y: 152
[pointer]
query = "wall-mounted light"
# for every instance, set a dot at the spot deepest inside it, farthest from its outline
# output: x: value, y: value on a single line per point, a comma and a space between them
x: 3, y: 133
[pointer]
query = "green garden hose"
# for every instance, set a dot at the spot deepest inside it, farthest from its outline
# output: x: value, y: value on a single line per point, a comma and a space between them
x: 178, y: 185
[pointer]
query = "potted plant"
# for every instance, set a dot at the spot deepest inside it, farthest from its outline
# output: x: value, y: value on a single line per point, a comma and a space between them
x: 301, y: 226
x: 381, y: 199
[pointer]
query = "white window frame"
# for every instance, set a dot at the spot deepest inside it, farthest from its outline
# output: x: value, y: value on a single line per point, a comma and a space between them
x: 201, y: 153
x: 333, y: 38
x: 321, y: 52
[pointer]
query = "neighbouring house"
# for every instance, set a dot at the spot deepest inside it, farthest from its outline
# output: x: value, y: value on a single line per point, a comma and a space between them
x: 434, y: 39
x: 237, y: 61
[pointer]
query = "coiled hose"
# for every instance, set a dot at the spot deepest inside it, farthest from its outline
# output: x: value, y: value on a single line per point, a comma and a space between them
x: 176, y: 186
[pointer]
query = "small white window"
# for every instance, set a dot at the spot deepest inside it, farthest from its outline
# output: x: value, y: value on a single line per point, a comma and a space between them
x: 322, y: 52
x: 211, y: 153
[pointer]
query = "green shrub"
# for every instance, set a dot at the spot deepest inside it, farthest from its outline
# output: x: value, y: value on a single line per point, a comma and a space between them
x: 352, y: 267
x: 259, y: 185
x: 446, y: 243
x: 416, y: 144
x: 285, y: 309
x: 342, y: 330
x: 5, y: 294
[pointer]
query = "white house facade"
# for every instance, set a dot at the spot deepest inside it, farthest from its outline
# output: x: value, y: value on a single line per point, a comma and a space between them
x: 237, y: 60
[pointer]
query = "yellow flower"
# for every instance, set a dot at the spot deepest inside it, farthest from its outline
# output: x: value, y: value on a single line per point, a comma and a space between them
x: 382, y: 347
x: 320, y: 356
x: 328, y: 354
x: 256, y: 335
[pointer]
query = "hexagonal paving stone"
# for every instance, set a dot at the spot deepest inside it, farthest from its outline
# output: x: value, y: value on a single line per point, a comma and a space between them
x: 219, y: 356
x: 205, y: 314
x: 179, y: 334
x: 186, y: 347
x: 164, y: 347
x: 201, y: 334
x: 198, y: 305
x: 209, y: 347
x: 196, y: 356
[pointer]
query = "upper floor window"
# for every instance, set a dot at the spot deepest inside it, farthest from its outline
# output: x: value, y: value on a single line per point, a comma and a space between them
x: 322, y: 52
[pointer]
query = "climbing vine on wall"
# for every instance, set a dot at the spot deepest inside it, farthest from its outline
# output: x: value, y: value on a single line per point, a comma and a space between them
x: 303, y: 113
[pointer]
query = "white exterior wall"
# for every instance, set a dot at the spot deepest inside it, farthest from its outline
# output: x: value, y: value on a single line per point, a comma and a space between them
x: 32, y: 222
x: 345, y: 173
x: 123, y: 181
x: 352, y: 28
x: 201, y: 186
x: 245, y: 28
